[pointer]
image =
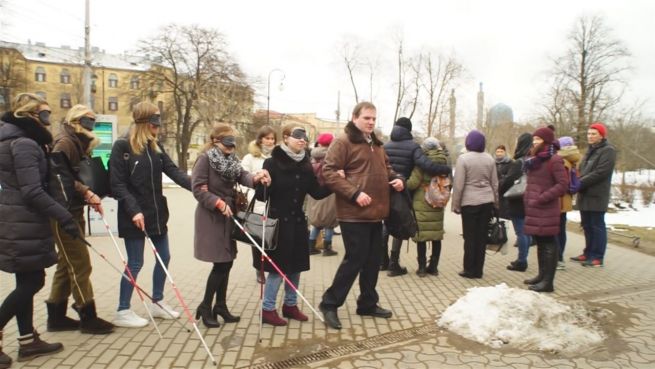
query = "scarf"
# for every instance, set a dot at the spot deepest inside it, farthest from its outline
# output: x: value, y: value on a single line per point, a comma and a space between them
x: 503, y: 160
x: 228, y: 166
x: 266, y: 151
x: 534, y: 162
x: 297, y: 157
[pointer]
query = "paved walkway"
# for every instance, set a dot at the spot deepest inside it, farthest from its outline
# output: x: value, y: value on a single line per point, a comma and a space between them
x: 410, y: 339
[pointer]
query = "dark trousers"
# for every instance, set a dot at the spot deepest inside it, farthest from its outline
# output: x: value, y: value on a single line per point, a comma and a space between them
x: 20, y: 302
x: 595, y: 233
x: 362, y: 242
x: 561, y: 237
x: 474, y: 224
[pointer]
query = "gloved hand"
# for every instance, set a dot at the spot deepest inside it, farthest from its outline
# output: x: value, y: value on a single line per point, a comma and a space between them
x: 71, y: 228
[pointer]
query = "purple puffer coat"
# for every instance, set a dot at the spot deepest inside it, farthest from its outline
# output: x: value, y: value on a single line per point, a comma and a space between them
x: 542, y: 197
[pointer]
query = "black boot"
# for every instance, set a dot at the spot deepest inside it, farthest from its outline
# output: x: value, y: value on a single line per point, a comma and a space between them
x: 540, y: 261
x: 57, y: 319
x: 394, y: 265
x: 551, y: 256
x: 420, y: 251
x: 518, y: 266
x: 207, y: 315
x: 221, y: 305
x: 89, y: 321
x: 5, y: 360
x: 312, y: 248
x: 327, y: 249
x: 31, y: 346
x: 433, y: 264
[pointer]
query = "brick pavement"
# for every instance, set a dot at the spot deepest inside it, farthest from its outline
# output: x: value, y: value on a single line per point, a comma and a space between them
x: 627, y: 284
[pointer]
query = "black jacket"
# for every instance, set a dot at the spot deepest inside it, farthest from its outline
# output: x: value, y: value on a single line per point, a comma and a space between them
x: 596, y: 170
x: 26, y: 241
x: 404, y: 153
x: 291, y: 181
x: 514, y: 207
x: 136, y: 182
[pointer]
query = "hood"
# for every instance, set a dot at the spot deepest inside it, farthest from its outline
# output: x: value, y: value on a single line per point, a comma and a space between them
x: 437, y: 155
x: 523, y: 145
x: 8, y: 131
x: 24, y: 127
x: 318, y: 153
x: 570, y: 154
x: 400, y: 133
x: 253, y: 149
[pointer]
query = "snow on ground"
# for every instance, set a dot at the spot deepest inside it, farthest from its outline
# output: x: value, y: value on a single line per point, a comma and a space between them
x: 636, y: 178
x: 523, y: 319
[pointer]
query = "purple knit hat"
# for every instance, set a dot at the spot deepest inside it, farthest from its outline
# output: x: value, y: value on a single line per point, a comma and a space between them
x: 475, y: 141
x: 566, y: 141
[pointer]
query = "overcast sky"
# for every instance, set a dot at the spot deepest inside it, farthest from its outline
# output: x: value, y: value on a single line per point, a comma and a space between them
x: 507, y: 45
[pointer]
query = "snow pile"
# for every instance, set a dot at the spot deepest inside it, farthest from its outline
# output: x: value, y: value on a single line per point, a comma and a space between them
x: 500, y: 315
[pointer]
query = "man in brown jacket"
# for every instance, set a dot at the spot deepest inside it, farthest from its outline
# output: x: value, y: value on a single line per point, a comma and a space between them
x: 362, y: 204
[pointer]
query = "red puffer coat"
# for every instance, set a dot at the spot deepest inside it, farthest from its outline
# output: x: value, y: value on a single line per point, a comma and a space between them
x: 546, y: 185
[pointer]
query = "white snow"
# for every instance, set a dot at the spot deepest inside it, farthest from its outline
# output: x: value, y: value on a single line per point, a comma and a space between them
x: 523, y: 319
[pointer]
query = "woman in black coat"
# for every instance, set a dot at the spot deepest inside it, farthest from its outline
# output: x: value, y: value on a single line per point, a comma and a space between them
x: 26, y: 242
x: 292, y: 178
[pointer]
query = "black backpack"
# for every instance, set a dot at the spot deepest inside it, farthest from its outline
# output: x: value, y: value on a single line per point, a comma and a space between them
x: 401, y: 223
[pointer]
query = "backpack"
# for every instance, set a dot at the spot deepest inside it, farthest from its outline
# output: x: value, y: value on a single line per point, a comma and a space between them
x: 401, y: 223
x: 437, y: 192
x: 574, y: 181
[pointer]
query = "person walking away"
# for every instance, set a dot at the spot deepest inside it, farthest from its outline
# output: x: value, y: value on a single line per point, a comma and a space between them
x: 26, y: 240
x: 362, y: 204
x: 430, y: 219
x: 515, y: 206
x: 596, y: 170
x: 475, y: 196
x: 214, y: 175
x: 259, y: 150
x: 571, y: 155
x: 137, y: 163
x: 322, y: 214
x: 292, y: 178
x: 404, y: 154
x: 72, y: 276
x: 547, y: 182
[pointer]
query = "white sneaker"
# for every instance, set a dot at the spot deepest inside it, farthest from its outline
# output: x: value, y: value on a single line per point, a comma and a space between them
x: 163, y: 312
x: 561, y: 265
x: 129, y: 319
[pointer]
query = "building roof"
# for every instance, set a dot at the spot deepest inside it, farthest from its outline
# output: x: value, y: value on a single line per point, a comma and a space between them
x: 39, y: 52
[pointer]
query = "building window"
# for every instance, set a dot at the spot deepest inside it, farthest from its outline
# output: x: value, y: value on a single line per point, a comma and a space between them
x: 65, y: 76
x: 42, y: 95
x: 113, y: 81
x: 65, y: 100
x: 113, y: 103
x: 134, y: 83
x: 39, y: 75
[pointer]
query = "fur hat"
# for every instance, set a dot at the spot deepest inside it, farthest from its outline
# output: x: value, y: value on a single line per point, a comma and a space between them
x: 430, y: 143
x: 404, y: 122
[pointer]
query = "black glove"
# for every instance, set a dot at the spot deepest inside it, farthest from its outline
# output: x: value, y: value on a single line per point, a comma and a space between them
x: 71, y: 228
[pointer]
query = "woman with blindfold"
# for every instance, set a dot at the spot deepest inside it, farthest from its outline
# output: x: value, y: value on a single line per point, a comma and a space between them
x: 292, y: 178
x: 137, y: 163
x: 214, y: 175
x: 75, y: 140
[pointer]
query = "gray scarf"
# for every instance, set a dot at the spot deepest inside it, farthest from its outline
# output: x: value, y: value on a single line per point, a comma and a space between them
x: 227, y: 166
x: 296, y: 157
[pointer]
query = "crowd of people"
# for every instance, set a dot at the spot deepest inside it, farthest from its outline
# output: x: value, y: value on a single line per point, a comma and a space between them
x: 347, y: 180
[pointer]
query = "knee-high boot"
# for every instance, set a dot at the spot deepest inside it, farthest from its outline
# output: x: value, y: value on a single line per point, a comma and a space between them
x: 551, y: 256
x: 221, y: 304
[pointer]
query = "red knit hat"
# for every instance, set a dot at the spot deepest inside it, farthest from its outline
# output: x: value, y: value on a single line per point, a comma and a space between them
x: 325, y: 139
x: 600, y: 127
x: 545, y: 134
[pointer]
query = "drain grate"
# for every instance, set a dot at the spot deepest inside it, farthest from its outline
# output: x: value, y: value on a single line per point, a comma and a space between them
x: 351, y: 348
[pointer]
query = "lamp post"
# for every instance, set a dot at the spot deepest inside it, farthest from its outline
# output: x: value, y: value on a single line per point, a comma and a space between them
x: 268, y: 93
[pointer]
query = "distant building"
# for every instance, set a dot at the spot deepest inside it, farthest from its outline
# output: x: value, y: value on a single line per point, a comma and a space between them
x: 499, y: 114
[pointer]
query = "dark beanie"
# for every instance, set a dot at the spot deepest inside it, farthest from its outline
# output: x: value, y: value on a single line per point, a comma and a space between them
x: 475, y: 141
x: 545, y: 134
x: 405, y: 123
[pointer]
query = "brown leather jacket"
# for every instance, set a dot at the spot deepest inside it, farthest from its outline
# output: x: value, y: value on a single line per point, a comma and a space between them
x: 367, y: 170
x: 75, y: 147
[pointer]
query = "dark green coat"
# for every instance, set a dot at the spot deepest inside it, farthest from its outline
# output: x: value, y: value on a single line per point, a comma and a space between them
x: 430, y: 220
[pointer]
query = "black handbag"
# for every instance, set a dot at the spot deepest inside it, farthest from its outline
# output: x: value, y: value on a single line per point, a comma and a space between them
x: 518, y: 188
x: 93, y: 174
x: 253, y: 224
x: 496, y: 234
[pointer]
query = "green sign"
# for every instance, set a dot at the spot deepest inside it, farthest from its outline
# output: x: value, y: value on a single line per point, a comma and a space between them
x: 104, y: 132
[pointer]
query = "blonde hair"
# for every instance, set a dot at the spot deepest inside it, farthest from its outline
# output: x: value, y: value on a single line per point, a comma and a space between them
x: 73, y: 120
x: 139, y: 132
x: 219, y: 130
x: 25, y: 103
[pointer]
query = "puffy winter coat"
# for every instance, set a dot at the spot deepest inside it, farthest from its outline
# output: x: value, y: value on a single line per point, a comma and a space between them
x: 571, y: 156
x: 291, y: 181
x: 546, y: 185
x: 430, y: 220
x: 596, y: 170
x: 26, y: 242
x: 136, y: 182
x: 404, y: 154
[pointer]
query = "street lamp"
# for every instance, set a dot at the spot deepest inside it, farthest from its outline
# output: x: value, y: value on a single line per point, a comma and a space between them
x: 268, y: 93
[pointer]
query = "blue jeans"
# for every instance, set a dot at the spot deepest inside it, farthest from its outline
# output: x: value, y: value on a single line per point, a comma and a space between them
x: 134, y: 247
x: 561, y: 238
x: 522, y: 239
x: 327, y: 237
x: 272, y: 285
x: 595, y: 233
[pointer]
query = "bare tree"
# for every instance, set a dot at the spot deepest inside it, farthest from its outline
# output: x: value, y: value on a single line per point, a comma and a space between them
x: 193, y: 65
x: 349, y: 53
x: 401, y: 83
x: 12, y: 74
x: 441, y: 74
x: 590, y: 73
